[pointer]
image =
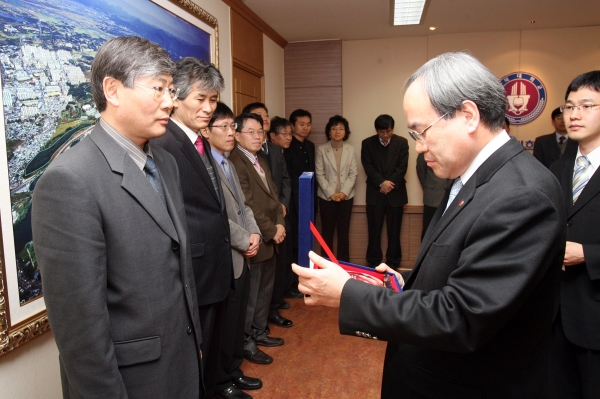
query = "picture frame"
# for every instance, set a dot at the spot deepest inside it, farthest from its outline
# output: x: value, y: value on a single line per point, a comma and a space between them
x: 41, y: 91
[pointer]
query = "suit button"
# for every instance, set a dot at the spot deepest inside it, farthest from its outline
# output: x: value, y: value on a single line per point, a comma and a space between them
x: 189, y: 330
x: 239, y: 212
x: 569, y: 223
x: 175, y: 246
x: 226, y: 239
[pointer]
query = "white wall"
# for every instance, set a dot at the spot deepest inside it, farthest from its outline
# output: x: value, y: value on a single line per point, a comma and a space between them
x: 274, y: 77
x: 32, y: 371
x: 373, y: 73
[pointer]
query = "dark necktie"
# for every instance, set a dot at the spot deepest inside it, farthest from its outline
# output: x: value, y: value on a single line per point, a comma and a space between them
x: 265, y: 148
x: 561, y: 140
x: 153, y: 176
x: 229, y: 176
x: 213, y: 178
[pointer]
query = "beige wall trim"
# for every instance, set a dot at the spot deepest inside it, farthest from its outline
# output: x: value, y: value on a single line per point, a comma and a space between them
x: 255, y: 20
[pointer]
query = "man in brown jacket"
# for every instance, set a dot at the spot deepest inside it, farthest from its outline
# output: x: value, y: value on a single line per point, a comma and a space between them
x: 262, y: 197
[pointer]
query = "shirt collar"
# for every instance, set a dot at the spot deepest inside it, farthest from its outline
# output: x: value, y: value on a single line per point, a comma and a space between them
x: 217, y: 156
x: 193, y: 136
x: 484, y: 154
x: 593, y: 157
x: 558, y: 136
x: 248, y: 154
x: 136, y: 153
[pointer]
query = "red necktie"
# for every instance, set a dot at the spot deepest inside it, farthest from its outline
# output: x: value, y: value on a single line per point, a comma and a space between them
x: 200, y: 145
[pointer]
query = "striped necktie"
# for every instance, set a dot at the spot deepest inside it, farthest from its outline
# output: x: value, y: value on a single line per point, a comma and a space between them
x: 456, y: 186
x: 580, y: 176
x: 153, y: 176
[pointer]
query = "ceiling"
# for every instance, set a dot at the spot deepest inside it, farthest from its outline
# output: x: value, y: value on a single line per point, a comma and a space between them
x: 303, y: 20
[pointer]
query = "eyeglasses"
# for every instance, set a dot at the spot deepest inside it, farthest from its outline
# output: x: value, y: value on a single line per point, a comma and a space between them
x: 254, y: 132
x: 567, y: 109
x: 285, y: 134
x: 160, y: 92
x: 233, y: 126
x: 340, y: 128
x: 421, y: 136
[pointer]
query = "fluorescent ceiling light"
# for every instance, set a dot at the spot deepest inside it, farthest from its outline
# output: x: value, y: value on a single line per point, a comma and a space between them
x: 408, y: 12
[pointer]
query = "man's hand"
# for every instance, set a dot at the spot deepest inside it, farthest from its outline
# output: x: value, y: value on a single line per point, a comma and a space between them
x: 386, y: 187
x: 284, y: 210
x: 574, y: 254
x: 254, y: 244
x: 324, y: 285
x: 385, y: 268
x: 280, y: 235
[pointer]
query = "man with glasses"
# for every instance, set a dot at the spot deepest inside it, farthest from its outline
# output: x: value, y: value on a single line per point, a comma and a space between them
x: 111, y: 242
x: 575, y: 361
x: 550, y: 147
x: 475, y: 316
x: 199, y: 84
x: 262, y: 197
x: 385, y: 159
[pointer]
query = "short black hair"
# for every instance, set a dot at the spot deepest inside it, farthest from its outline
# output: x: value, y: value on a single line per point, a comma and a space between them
x: 297, y: 114
x: 384, y: 122
x: 278, y: 124
x: 251, y: 107
x: 243, y: 117
x: 221, y: 112
x: 334, y: 121
x: 590, y: 80
x: 556, y: 112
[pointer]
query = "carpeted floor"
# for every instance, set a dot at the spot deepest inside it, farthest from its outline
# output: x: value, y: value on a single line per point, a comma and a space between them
x: 316, y: 361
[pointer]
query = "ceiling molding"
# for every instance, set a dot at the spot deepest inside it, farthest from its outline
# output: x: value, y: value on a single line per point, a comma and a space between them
x: 256, y: 21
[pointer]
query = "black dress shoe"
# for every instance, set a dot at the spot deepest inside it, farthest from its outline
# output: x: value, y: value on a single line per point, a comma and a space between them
x: 294, y: 294
x: 267, y: 330
x: 284, y: 305
x: 281, y: 321
x: 247, y: 383
x: 269, y: 341
x: 232, y: 393
x: 257, y: 356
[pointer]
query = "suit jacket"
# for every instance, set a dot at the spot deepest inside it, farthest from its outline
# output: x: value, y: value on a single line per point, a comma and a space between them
x: 380, y: 167
x: 117, y: 274
x: 279, y: 172
x: 207, y: 221
x: 327, y: 173
x: 547, y: 151
x: 240, y: 227
x: 434, y: 188
x: 264, y: 202
x: 294, y: 159
x: 475, y: 318
x: 580, y: 284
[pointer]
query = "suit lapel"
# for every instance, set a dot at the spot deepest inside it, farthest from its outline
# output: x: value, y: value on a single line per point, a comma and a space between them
x: 134, y: 181
x: 254, y: 174
x: 330, y: 157
x: 566, y: 182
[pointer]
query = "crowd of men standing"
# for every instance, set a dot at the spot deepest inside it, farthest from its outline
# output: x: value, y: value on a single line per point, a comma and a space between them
x: 165, y: 239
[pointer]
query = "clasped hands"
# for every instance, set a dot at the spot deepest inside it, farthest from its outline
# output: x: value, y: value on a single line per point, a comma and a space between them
x: 338, y: 197
x: 386, y: 187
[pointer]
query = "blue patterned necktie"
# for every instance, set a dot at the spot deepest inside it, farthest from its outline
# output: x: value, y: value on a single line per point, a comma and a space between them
x: 456, y: 186
x: 153, y: 176
x: 229, y: 176
x: 580, y: 177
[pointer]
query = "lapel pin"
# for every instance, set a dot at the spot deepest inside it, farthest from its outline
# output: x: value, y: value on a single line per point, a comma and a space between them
x: 461, y: 202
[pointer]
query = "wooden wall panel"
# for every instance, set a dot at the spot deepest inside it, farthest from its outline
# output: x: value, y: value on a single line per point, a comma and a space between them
x: 313, y: 64
x: 246, y: 45
x: 247, y: 89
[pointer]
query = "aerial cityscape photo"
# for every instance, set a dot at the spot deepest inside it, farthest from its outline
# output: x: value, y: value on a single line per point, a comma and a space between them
x: 46, y: 51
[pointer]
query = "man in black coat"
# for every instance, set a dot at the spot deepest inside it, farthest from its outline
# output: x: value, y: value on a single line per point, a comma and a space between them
x: 475, y: 317
x: 199, y: 85
x: 550, y: 147
x: 385, y: 159
x: 575, y: 361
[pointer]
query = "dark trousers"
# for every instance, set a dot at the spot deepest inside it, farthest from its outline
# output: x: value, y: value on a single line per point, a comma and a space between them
x: 291, y: 240
x: 428, y: 212
x: 212, y: 322
x: 262, y: 278
x: 232, y: 345
x: 332, y: 214
x: 574, y: 371
x: 280, y: 278
x: 393, y: 216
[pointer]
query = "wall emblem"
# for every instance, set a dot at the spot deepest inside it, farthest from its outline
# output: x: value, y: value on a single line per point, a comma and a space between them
x: 526, y: 96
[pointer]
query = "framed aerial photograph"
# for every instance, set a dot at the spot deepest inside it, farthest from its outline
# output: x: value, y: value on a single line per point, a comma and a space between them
x: 46, y: 51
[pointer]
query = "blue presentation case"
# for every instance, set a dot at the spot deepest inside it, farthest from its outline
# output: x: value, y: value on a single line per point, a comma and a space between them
x: 306, y: 214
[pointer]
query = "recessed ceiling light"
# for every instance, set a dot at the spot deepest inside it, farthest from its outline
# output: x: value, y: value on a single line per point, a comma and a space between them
x: 532, y: 21
x: 408, y: 12
x: 432, y: 27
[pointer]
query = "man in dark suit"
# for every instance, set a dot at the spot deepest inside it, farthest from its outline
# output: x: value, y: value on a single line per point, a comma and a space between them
x: 245, y: 240
x: 299, y: 158
x: 434, y: 190
x: 385, y: 159
x: 273, y: 154
x: 550, y: 147
x: 575, y: 361
x: 199, y: 85
x: 475, y: 316
x: 111, y: 243
x: 262, y: 197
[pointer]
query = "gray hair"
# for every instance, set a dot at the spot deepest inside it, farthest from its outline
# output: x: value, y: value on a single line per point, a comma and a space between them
x: 451, y: 78
x: 193, y: 71
x: 126, y: 59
